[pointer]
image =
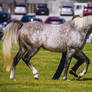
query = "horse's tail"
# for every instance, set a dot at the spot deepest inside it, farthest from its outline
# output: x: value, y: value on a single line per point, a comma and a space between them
x: 10, y: 36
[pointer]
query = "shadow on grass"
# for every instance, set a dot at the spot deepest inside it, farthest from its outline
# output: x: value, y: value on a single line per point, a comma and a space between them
x: 85, y: 79
x: 82, y: 79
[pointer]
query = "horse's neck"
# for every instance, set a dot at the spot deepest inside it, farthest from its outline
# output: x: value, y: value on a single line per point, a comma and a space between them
x: 83, y: 25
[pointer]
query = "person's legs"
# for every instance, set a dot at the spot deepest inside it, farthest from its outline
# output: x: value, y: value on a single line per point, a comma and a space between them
x: 62, y: 63
x: 77, y: 65
x: 60, y: 67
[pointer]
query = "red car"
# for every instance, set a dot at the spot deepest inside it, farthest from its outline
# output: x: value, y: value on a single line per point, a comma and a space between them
x: 54, y: 20
x: 11, y: 20
x: 87, y: 11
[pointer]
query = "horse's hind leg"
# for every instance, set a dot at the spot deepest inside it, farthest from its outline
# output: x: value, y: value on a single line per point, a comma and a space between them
x: 15, y: 62
x: 69, y: 55
x: 82, y: 55
x: 26, y: 59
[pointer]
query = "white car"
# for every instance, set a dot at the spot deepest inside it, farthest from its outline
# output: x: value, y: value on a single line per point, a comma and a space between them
x: 66, y: 10
x: 79, y: 7
x: 20, y: 9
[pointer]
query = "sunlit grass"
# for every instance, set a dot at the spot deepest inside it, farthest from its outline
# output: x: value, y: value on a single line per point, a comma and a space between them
x: 46, y: 63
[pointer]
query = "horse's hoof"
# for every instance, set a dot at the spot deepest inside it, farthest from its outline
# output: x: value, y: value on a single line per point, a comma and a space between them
x: 36, y: 76
x: 14, y: 79
x: 64, y: 78
x: 73, y: 73
x: 79, y: 76
x: 54, y: 78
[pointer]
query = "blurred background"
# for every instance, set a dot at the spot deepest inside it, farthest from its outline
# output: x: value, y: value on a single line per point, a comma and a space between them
x: 47, y: 11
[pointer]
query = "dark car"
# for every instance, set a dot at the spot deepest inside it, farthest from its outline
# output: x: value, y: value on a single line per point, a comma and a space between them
x: 42, y: 10
x: 87, y: 10
x: 27, y: 18
x: 54, y: 20
x: 4, y: 17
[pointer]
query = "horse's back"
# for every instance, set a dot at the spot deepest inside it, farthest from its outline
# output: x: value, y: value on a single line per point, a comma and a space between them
x: 58, y: 37
x: 54, y: 37
x: 30, y: 32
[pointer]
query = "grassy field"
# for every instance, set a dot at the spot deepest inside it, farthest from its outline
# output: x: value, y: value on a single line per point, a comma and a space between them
x: 46, y: 63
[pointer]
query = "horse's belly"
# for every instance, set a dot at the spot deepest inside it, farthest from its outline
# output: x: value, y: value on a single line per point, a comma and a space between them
x: 55, y: 49
x: 54, y: 46
x: 53, y: 40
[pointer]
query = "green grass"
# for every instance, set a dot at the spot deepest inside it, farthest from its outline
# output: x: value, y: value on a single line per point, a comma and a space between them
x: 46, y: 63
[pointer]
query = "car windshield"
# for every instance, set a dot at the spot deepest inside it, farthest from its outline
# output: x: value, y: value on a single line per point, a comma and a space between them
x: 27, y: 18
x: 54, y: 19
x: 42, y: 6
x: 67, y: 7
x: 88, y: 7
x: 4, y: 17
x: 20, y: 6
x: 78, y: 7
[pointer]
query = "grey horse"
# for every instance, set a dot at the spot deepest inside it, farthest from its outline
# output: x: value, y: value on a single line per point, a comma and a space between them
x: 69, y: 37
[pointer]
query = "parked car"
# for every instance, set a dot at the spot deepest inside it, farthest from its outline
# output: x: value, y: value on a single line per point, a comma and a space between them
x: 27, y: 18
x: 87, y: 10
x: 66, y: 10
x: 42, y: 10
x: 20, y: 9
x: 4, y: 17
x: 54, y: 20
x: 11, y: 20
x: 78, y: 8
x: 1, y: 8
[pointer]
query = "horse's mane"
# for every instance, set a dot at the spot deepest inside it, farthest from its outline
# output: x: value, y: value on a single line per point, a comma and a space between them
x: 19, y: 23
x: 82, y: 22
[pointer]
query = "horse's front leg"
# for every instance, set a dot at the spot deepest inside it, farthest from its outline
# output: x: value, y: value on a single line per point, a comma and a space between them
x: 15, y: 62
x: 69, y: 55
x: 82, y: 55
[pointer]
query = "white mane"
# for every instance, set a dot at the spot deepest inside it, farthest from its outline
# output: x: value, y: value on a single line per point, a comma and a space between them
x: 83, y: 22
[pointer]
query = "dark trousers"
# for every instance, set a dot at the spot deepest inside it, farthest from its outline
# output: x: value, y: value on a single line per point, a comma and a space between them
x: 62, y: 64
